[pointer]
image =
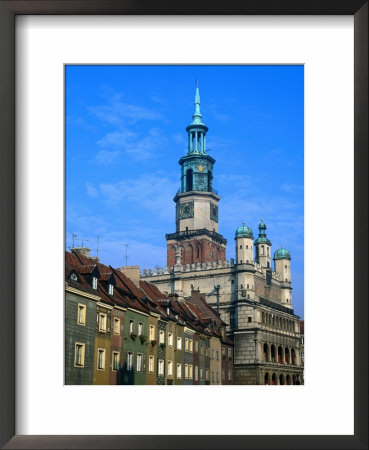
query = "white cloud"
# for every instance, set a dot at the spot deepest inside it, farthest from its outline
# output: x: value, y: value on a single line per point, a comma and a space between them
x: 105, y: 157
x: 290, y: 188
x: 91, y: 190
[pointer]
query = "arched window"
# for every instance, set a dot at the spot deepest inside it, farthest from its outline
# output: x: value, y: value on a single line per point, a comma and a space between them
x: 272, y: 352
x: 287, y: 355
x: 266, y: 378
x: 281, y: 379
x: 189, y: 180
x: 274, y: 379
x: 268, y: 251
x: 262, y: 249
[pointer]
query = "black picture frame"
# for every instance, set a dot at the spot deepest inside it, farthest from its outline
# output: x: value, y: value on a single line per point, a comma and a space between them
x: 8, y: 12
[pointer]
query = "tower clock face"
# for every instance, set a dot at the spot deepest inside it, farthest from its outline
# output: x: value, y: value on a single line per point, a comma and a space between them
x: 185, y: 210
x: 214, y: 212
x: 200, y: 168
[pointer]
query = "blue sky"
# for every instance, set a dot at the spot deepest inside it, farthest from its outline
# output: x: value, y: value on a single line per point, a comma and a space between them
x: 125, y: 133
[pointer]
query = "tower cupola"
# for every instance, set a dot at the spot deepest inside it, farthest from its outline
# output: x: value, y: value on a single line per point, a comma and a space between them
x: 244, y: 240
x: 282, y: 265
x: 262, y: 246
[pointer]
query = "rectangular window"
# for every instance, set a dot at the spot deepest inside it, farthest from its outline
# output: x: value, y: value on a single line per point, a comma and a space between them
x: 139, y: 362
x: 179, y: 370
x: 131, y: 326
x: 152, y: 333
x: 207, y: 351
x: 190, y: 371
x: 201, y: 373
x: 212, y: 377
x: 212, y: 354
x: 115, y: 361
x: 249, y: 319
x: 223, y: 352
x: 151, y: 364
x: 116, y: 329
x: 217, y: 353
x: 111, y: 289
x: 229, y: 353
x: 170, y: 339
x: 129, y: 361
x: 207, y: 374
x: 102, y: 322
x: 191, y: 345
x: 140, y: 328
x: 229, y: 376
x: 179, y: 343
x: 186, y: 371
x: 196, y: 373
x: 94, y: 283
x: 186, y: 345
x: 201, y: 349
x: 161, y: 337
x: 170, y: 368
x: 101, y: 359
x: 196, y: 346
x: 161, y: 367
x: 223, y: 375
x: 79, y: 354
x: 217, y: 375
x: 81, y: 314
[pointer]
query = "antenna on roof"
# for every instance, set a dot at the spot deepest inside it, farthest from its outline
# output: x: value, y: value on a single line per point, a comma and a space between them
x: 83, y: 240
x: 126, y: 245
x: 97, y: 246
x: 74, y: 236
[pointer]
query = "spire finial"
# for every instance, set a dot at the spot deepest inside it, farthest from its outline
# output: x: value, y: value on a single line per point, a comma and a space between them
x: 197, y: 114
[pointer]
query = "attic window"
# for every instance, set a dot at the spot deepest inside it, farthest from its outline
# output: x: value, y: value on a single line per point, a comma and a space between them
x: 73, y: 276
x: 94, y: 283
x: 111, y: 289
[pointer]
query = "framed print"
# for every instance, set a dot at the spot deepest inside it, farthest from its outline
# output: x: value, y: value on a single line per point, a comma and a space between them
x: 38, y: 41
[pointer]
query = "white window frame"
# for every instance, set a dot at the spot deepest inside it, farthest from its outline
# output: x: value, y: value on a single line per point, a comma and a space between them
x: 131, y: 326
x: 103, y: 319
x: 151, y: 364
x: 179, y: 370
x: 101, y: 354
x: 201, y: 373
x: 186, y: 371
x: 139, y: 360
x: 161, y: 367
x: 81, y: 308
x: 179, y: 343
x: 111, y: 289
x: 190, y: 345
x: 140, y: 328
x: 116, y: 321
x: 152, y: 333
x: 113, y: 360
x: 170, y: 368
x: 161, y: 337
x: 190, y: 371
x: 170, y: 339
x: 130, y: 361
x: 196, y: 373
x: 82, y: 347
x: 94, y: 283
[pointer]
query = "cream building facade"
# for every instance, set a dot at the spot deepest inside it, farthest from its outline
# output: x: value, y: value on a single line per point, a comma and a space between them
x: 253, y: 298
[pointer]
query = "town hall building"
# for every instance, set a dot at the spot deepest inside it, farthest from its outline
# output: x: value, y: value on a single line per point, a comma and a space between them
x: 252, y: 295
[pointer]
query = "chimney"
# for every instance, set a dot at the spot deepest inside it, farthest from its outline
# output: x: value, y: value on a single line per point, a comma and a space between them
x: 132, y: 272
x: 84, y: 251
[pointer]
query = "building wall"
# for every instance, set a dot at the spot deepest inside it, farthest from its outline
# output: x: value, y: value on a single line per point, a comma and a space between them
x: 117, y: 344
x: 161, y: 352
x: 215, y: 361
x: 152, y: 347
x: 84, y: 334
x: 178, y: 355
x: 188, y: 356
x: 134, y: 346
x: 170, y: 352
x: 102, y: 342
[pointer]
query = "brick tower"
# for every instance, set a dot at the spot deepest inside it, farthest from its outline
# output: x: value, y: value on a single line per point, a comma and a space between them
x: 196, y: 239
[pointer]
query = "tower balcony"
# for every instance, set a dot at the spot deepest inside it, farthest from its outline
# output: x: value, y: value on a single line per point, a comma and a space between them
x: 184, y: 235
x: 182, y: 191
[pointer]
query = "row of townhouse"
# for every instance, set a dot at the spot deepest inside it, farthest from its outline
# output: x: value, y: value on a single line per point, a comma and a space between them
x: 122, y: 330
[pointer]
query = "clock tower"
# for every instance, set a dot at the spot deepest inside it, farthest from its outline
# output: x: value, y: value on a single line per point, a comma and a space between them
x: 196, y: 239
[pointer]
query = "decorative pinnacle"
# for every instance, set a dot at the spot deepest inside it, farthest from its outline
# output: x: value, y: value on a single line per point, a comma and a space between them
x: 197, y: 114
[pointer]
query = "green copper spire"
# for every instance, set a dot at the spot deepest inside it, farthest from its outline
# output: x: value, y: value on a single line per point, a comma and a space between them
x: 197, y: 114
x: 197, y: 129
